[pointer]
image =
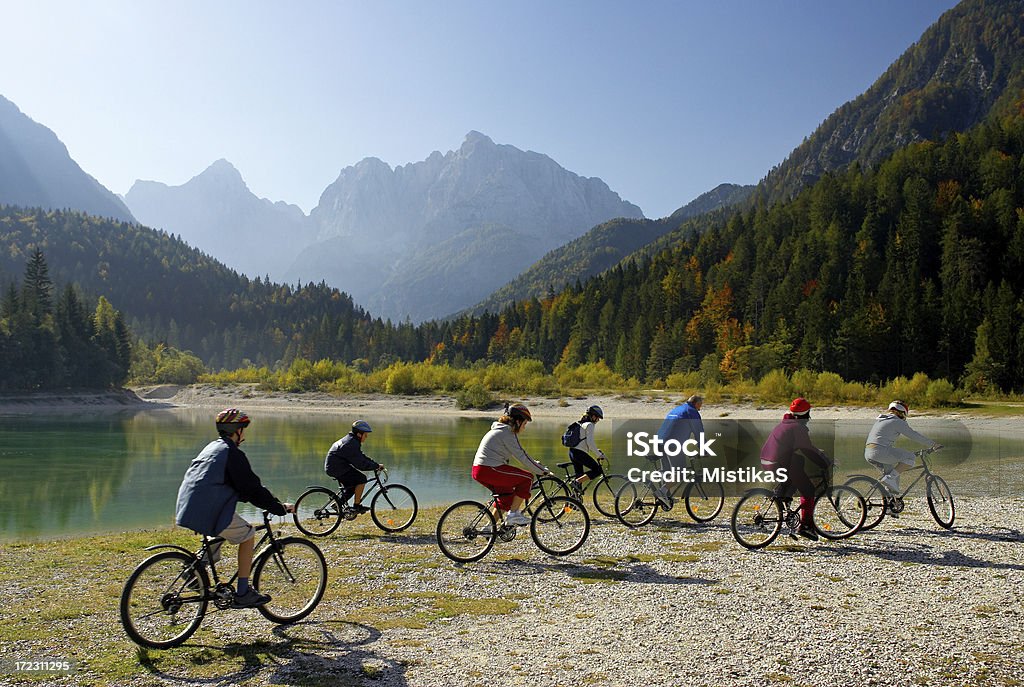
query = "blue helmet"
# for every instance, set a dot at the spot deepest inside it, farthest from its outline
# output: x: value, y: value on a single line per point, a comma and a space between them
x: 361, y: 426
x: 596, y: 412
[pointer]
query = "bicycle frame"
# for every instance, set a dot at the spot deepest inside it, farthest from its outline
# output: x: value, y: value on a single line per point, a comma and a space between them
x: 923, y: 468
x: 376, y: 485
x: 200, y: 558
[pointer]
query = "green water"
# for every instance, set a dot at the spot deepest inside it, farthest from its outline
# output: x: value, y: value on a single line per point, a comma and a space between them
x: 109, y: 471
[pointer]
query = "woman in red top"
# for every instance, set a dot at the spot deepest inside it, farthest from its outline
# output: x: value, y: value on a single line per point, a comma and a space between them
x: 787, y: 447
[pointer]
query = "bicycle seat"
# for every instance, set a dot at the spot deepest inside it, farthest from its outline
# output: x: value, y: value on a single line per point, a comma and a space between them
x: 563, y: 465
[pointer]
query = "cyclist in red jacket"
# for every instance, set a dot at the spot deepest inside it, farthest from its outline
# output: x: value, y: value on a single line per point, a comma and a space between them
x: 788, y: 446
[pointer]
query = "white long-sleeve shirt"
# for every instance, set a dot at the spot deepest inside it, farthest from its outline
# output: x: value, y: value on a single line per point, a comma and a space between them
x: 500, y: 446
x: 888, y: 428
x: 587, y: 444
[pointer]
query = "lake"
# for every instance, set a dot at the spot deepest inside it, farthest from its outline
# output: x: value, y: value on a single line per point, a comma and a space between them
x: 111, y: 471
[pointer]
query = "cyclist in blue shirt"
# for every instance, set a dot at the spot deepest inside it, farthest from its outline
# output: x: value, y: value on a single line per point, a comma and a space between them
x: 681, y: 423
x: 214, y: 483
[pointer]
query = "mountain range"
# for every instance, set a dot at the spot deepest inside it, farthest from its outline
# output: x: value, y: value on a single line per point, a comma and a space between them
x: 966, y: 70
x: 217, y: 213
x: 37, y: 171
x: 418, y: 241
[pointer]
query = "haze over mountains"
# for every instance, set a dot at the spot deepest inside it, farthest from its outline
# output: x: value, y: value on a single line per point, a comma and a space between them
x: 418, y: 241
x: 216, y: 212
x: 37, y: 171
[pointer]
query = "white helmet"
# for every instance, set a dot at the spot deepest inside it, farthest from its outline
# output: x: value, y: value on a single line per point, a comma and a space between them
x: 899, y: 407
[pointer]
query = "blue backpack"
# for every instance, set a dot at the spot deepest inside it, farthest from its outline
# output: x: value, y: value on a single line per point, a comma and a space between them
x: 571, y: 438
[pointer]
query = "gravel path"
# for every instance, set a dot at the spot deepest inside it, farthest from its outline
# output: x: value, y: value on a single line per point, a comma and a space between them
x: 670, y: 604
x: 678, y: 604
x: 903, y: 605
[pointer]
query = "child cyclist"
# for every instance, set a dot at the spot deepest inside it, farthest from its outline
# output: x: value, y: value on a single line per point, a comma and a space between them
x: 345, y: 461
x: 582, y: 454
x: 880, y: 450
x: 492, y: 463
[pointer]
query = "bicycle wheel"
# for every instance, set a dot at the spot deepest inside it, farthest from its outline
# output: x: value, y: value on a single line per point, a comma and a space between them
x: 940, y: 501
x: 839, y: 512
x: 466, y: 531
x: 393, y: 508
x: 635, y: 505
x: 560, y: 525
x: 603, y: 495
x: 547, y: 487
x: 757, y: 519
x: 294, y: 573
x: 704, y: 500
x: 317, y: 512
x: 164, y: 600
x: 874, y: 499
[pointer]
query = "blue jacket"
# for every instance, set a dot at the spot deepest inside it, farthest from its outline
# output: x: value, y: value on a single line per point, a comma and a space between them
x: 681, y: 423
x: 216, y: 480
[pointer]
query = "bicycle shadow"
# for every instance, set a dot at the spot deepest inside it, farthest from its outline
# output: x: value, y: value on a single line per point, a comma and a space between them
x: 991, y: 534
x: 924, y: 554
x: 315, y: 652
x: 633, y: 571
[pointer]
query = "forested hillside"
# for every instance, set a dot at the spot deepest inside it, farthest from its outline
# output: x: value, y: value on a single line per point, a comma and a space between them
x: 48, y: 342
x: 969, y: 64
x: 916, y: 265
x: 602, y: 247
x: 170, y: 292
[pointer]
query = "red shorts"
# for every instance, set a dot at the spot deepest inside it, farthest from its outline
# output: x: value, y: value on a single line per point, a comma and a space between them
x: 507, y: 480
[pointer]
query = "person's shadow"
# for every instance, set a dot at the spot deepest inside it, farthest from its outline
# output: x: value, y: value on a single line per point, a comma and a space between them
x: 330, y: 652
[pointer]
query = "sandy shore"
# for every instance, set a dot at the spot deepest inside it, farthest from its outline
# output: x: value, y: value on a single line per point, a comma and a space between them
x: 649, y: 404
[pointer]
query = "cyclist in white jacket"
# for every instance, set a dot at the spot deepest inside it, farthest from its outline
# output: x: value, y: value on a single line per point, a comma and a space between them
x: 881, y: 451
x: 492, y: 464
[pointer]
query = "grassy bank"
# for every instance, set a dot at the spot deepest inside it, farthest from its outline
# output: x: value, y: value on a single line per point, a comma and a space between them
x: 60, y: 602
x: 397, y: 613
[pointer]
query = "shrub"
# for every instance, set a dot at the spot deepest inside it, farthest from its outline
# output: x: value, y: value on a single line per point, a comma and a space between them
x: 400, y: 380
x: 474, y: 395
x: 775, y: 387
x: 941, y: 393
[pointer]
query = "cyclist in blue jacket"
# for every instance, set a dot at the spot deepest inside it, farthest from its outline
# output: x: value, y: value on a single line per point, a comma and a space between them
x: 680, y: 424
x: 214, y: 483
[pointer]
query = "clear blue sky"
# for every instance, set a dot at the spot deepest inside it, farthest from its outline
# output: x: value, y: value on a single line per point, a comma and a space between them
x: 663, y: 99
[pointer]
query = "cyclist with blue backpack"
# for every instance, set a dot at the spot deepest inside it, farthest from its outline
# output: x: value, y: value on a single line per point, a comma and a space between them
x: 579, y: 439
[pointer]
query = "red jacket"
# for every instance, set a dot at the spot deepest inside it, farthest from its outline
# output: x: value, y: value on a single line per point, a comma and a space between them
x: 788, y: 437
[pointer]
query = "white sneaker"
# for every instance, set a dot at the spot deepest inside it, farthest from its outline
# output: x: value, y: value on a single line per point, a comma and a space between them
x: 516, y: 519
x: 891, y: 482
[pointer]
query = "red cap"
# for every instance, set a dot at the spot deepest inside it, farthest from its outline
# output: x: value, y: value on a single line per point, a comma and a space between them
x: 799, y: 406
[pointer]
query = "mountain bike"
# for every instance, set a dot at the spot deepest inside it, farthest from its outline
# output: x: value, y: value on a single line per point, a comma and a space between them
x: 880, y: 500
x: 760, y: 515
x: 319, y: 510
x: 559, y: 525
x: 166, y: 598
x: 636, y: 503
x: 602, y: 491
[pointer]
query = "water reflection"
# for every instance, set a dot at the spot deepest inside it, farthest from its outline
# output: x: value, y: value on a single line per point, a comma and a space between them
x: 117, y: 471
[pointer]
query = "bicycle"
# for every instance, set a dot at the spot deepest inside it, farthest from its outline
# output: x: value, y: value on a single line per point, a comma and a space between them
x: 319, y: 510
x: 881, y: 501
x: 760, y: 514
x: 636, y: 503
x: 604, y: 490
x: 559, y: 525
x: 166, y: 597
